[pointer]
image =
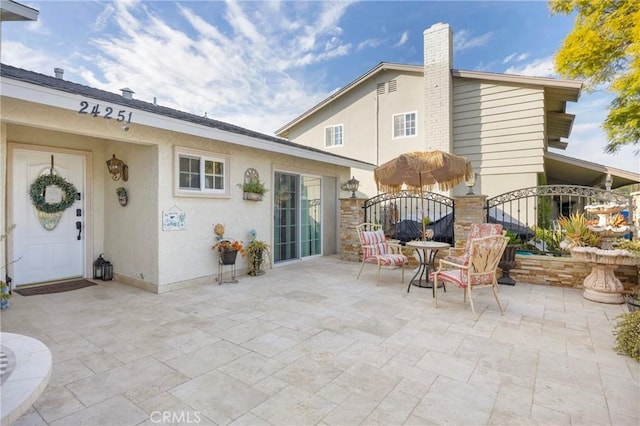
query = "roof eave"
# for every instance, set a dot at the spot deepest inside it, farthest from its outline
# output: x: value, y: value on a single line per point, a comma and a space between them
x: 573, y: 87
x: 14, y: 11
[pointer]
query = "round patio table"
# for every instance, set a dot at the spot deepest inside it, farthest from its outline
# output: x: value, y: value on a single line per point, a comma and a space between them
x: 426, y: 251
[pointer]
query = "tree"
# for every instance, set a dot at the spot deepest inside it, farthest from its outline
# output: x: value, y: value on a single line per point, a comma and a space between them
x: 604, y: 48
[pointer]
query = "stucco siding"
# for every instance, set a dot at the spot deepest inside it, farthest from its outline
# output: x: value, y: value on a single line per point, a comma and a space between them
x: 132, y: 237
x: 367, y: 116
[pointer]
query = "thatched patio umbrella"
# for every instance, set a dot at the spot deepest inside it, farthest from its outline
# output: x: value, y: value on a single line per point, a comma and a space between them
x: 422, y: 171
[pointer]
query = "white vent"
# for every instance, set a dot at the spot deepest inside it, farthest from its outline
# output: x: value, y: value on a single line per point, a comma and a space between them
x: 380, y: 88
x: 393, y: 85
x: 127, y: 93
x: 59, y: 73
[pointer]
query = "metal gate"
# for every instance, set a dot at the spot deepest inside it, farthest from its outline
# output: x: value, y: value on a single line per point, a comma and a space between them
x: 401, y: 214
x: 532, y: 213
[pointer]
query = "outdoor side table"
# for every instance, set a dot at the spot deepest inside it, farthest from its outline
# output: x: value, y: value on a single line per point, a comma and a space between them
x: 427, y: 251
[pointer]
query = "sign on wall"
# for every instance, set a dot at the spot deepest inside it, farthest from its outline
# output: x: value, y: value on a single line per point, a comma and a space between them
x: 174, y: 219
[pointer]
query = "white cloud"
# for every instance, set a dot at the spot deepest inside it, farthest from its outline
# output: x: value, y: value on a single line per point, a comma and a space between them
x: 515, y: 57
x: 543, y: 67
x: 403, y: 39
x: 242, y: 71
x: 22, y: 56
x: 101, y: 20
x: 372, y: 42
x: 462, y: 40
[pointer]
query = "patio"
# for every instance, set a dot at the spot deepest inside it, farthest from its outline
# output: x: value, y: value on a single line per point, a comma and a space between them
x: 309, y: 344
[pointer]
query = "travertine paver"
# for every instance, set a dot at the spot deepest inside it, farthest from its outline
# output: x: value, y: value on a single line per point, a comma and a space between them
x: 309, y: 344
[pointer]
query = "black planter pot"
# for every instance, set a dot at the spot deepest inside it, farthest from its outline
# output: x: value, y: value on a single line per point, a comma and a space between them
x: 633, y: 304
x: 507, y: 262
x: 228, y: 257
x: 256, y: 263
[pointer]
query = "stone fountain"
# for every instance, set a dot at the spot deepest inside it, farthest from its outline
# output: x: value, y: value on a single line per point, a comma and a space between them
x: 601, y: 285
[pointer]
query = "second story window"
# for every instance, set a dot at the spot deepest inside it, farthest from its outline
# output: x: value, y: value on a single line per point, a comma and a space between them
x: 404, y: 125
x: 333, y: 136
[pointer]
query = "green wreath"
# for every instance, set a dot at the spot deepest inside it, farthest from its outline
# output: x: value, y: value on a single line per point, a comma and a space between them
x: 38, y: 189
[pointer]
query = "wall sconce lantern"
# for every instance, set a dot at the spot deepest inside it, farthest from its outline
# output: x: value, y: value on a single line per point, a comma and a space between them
x: 102, y: 269
x: 118, y: 169
x: 352, y: 185
x: 471, y: 183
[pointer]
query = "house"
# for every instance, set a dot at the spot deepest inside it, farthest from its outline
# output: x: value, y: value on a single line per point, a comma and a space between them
x: 182, y: 173
x: 505, y: 124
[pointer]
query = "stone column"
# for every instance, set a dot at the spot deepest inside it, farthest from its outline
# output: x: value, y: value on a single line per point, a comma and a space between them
x: 468, y: 209
x: 351, y: 215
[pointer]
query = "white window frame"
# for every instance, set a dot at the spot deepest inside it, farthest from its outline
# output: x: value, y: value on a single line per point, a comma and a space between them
x: 404, y: 125
x: 333, y: 134
x: 202, y: 156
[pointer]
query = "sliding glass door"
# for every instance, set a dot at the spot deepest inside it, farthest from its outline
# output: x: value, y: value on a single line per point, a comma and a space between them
x: 297, y: 217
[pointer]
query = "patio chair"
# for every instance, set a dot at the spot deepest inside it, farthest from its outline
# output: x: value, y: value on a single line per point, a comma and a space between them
x: 478, y: 272
x: 460, y: 255
x: 378, y: 250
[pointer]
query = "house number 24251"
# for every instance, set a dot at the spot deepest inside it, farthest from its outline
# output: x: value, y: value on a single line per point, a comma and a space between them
x: 105, y: 112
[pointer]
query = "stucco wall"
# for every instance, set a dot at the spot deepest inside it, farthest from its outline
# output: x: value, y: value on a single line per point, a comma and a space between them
x: 131, y: 237
x: 3, y: 185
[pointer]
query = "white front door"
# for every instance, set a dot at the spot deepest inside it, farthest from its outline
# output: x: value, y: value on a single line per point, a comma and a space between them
x: 46, y: 255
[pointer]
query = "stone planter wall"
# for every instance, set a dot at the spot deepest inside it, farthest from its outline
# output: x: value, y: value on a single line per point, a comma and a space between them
x: 563, y: 271
x: 544, y: 270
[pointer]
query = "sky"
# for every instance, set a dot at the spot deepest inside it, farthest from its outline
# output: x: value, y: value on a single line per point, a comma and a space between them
x: 259, y: 64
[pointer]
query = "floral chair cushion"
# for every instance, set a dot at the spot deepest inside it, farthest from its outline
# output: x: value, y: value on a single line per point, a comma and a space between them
x: 477, y: 230
x: 482, y: 261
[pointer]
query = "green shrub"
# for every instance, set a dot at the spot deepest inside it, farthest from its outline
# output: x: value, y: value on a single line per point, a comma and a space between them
x: 632, y: 247
x: 627, y: 332
x: 254, y: 186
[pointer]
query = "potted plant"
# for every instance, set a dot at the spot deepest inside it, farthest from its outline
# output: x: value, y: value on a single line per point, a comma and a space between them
x: 228, y: 250
x: 253, y: 190
x: 627, y: 332
x: 5, y: 289
x: 123, y: 197
x: 576, y: 232
x: 508, y: 260
x: 256, y: 252
x: 5, y: 295
x: 633, y: 300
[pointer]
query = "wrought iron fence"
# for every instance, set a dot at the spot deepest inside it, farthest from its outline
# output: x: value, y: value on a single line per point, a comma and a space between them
x: 532, y: 213
x: 401, y: 215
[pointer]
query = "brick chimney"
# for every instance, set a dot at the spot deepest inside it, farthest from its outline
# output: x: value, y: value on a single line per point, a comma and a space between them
x: 438, y: 87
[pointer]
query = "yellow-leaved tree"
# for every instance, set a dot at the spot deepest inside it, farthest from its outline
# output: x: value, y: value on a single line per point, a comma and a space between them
x: 604, y: 49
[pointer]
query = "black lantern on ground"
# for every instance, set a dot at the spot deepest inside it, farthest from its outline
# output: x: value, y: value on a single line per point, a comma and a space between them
x: 98, y: 267
x: 107, y: 271
x: 352, y: 185
x: 102, y: 269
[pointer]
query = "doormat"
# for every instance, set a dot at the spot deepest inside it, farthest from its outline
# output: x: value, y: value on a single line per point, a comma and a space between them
x: 54, y: 288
